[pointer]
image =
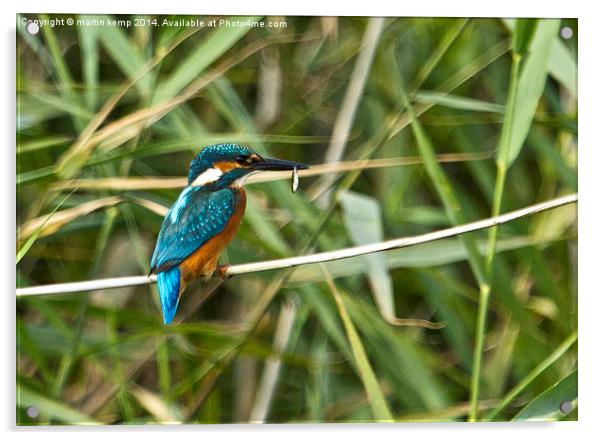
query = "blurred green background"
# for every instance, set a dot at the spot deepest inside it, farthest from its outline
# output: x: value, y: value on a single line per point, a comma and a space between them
x: 441, y: 109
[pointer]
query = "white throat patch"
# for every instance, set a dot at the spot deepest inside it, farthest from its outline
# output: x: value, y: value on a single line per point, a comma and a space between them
x: 208, y: 176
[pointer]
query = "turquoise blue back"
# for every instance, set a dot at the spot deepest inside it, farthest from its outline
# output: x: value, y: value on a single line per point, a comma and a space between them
x: 197, y: 215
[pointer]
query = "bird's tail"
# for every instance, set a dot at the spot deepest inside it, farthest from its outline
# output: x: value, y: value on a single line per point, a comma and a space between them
x: 169, y: 292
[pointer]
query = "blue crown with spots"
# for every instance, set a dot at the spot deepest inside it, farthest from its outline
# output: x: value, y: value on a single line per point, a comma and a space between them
x: 215, y: 153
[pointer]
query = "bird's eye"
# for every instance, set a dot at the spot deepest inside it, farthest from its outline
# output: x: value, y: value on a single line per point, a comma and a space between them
x: 247, y: 160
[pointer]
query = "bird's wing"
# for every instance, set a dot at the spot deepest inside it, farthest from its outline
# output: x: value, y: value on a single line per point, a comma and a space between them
x: 195, y: 217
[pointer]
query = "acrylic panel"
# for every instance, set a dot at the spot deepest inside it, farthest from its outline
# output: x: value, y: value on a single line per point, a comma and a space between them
x: 423, y: 268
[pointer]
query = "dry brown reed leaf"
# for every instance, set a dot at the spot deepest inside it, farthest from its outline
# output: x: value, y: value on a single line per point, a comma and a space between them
x: 147, y: 183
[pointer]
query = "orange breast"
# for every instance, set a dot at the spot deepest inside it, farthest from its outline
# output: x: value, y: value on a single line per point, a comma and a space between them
x: 203, y: 262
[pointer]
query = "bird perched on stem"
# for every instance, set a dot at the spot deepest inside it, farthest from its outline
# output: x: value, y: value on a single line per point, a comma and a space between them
x: 205, y: 218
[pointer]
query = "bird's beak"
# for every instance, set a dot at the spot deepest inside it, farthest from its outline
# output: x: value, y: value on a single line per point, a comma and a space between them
x: 277, y: 165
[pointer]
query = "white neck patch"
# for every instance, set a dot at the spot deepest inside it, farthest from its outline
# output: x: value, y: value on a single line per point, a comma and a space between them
x: 208, y: 176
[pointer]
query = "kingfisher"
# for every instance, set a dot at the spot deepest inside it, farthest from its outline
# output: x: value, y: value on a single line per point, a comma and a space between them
x: 205, y: 218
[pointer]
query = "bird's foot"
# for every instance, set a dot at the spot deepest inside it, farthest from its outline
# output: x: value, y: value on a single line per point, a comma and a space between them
x: 221, y: 271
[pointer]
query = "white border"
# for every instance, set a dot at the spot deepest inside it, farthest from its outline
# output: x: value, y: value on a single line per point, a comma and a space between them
x: 458, y: 8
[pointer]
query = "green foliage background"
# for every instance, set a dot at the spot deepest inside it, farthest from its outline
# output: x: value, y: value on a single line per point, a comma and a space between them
x: 100, y: 104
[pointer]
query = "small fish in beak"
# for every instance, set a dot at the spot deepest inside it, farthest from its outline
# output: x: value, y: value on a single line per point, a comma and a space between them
x: 295, y: 180
x: 281, y: 165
